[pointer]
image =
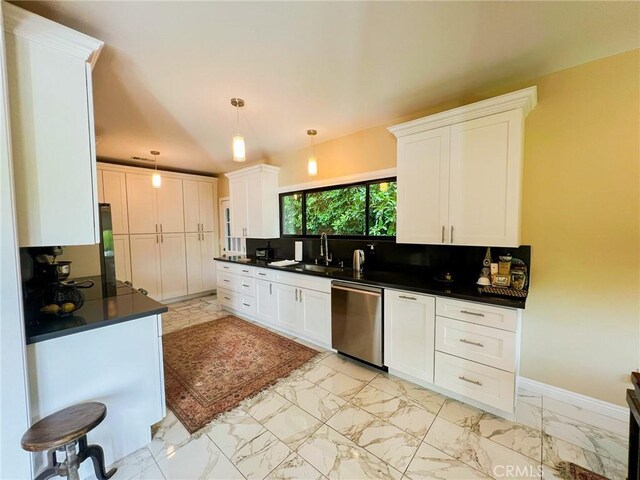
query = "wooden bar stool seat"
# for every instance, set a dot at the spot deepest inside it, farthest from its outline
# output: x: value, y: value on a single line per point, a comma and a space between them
x: 64, y: 431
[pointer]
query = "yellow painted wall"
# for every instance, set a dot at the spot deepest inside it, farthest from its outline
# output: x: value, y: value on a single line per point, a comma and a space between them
x: 581, y: 215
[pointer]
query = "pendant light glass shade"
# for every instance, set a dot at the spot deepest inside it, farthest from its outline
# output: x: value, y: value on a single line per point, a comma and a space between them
x: 156, y: 179
x: 312, y: 166
x: 238, y: 146
x: 312, y: 163
x: 239, y: 152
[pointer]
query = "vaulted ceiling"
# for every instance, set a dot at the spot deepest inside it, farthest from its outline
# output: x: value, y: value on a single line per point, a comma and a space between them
x: 168, y: 69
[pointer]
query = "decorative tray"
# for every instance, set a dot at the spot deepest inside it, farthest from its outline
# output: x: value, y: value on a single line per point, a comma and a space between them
x: 504, y: 291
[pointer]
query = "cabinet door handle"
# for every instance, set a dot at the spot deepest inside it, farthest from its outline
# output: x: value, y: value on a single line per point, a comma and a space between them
x: 161, y: 238
x: 469, y: 342
x: 160, y: 228
x: 296, y: 294
x: 156, y: 228
x: 476, y: 314
x: 442, y: 233
x: 408, y: 298
x: 246, y: 304
x: 475, y: 382
x: 300, y: 296
x: 451, y: 236
x: 271, y: 289
x: 157, y: 240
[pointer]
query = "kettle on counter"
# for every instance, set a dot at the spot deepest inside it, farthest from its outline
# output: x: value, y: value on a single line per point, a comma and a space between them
x: 358, y: 260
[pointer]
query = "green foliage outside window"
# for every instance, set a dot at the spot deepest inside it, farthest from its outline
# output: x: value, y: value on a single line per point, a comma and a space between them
x: 342, y: 211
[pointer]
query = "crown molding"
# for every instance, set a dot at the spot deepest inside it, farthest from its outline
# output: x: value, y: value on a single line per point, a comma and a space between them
x: 118, y: 167
x: 25, y: 24
x: 525, y: 99
x: 260, y: 167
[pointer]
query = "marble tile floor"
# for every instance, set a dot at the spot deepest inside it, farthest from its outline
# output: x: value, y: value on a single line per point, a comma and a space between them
x: 336, y: 418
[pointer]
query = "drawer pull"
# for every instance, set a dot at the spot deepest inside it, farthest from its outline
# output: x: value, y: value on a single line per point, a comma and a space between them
x: 245, y: 285
x: 475, y: 382
x: 469, y: 342
x: 246, y: 304
x: 226, y: 268
x: 225, y: 280
x: 227, y: 298
x: 261, y: 274
x: 472, y: 313
x: 245, y: 271
x: 408, y: 298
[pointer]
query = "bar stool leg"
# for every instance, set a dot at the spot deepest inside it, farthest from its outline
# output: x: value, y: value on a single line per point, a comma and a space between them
x: 72, y: 462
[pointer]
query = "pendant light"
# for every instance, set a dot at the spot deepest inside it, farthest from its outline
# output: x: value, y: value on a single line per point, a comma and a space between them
x: 312, y: 163
x: 239, y: 151
x: 156, y: 179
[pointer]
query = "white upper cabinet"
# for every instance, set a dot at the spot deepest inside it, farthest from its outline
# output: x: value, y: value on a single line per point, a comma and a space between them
x: 143, y: 208
x: 199, y: 204
x: 170, y: 206
x: 253, y: 193
x: 460, y: 173
x: 423, y: 199
x: 154, y: 210
x: 52, y: 129
x: 114, y: 192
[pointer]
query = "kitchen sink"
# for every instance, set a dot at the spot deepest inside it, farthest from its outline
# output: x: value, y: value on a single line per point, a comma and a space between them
x: 309, y: 267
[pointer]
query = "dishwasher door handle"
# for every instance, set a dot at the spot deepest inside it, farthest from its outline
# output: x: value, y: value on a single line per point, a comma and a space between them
x: 356, y: 290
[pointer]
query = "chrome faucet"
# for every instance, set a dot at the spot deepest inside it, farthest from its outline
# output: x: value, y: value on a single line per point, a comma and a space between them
x: 324, y: 249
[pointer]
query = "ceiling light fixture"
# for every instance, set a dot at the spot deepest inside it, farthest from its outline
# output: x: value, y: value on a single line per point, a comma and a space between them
x: 312, y: 163
x: 239, y: 150
x: 156, y: 179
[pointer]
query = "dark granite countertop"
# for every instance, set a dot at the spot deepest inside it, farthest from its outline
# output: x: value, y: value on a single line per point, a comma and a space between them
x: 410, y: 281
x: 97, y: 312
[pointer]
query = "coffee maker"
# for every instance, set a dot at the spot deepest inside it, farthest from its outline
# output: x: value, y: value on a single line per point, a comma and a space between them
x: 45, y: 288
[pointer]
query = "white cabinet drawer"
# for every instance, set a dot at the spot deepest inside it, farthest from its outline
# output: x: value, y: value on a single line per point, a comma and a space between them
x: 497, y: 317
x: 244, y: 270
x: 228, y: 281
x: 264, y: 274
x: 247, y: 305
x: 227, y: 298
x: 225, y: 267
x: 247, y: 286
x: 304, y: 281
x: 485, y: 384
x: 491, y: 346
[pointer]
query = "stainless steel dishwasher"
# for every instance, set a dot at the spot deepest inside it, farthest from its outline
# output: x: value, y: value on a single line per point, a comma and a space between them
x: 356, y: 321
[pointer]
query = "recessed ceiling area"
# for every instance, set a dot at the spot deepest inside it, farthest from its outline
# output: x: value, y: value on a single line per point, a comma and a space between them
x: 169, y: 69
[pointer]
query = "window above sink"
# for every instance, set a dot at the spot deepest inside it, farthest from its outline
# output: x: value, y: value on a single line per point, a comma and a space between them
x: 359, y: 210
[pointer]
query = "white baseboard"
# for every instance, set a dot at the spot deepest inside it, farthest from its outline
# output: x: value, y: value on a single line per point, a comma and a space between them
x: 576, y: 399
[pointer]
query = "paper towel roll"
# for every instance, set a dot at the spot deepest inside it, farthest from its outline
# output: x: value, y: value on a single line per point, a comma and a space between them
x: 298, y: 255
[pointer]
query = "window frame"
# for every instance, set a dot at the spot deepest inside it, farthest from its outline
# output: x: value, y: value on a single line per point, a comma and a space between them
x: 304, y: 193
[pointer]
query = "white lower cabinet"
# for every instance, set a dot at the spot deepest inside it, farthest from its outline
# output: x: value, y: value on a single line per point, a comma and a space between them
x: 409, y: 329
x: 281, y: 300
x: 287, y: 307
x: 158, y: 264
x: 316, y: 315
x: 265, y: 301
x: 145, y: 263
x: 173, y: 272
x: 123, y: 257
x: 201, y: 270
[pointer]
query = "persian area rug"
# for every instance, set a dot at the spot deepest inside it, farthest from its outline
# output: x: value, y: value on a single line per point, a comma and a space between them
x: 571, y: 471
x: 211, y: 367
